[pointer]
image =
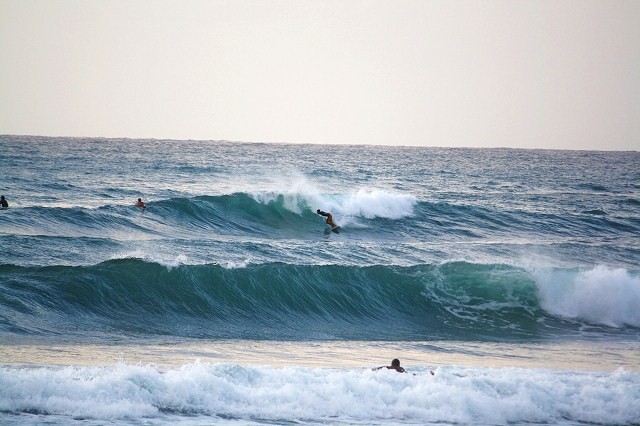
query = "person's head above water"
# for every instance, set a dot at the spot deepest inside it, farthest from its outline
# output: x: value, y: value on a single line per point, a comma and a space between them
x: 395, y: 363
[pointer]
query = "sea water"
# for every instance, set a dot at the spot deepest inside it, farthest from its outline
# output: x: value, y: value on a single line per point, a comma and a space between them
x: 512, y: 275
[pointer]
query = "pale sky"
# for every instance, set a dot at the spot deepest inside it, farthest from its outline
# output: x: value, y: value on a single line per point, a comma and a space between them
x: 516, y: 73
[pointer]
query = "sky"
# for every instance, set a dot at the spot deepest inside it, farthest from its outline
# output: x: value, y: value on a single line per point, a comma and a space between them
x: 560, y: 74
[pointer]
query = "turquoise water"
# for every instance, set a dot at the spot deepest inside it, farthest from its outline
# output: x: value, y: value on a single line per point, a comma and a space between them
x: 514, y: 274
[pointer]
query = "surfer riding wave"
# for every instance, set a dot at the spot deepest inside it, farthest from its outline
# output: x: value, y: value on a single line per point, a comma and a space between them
x: 329, y: 218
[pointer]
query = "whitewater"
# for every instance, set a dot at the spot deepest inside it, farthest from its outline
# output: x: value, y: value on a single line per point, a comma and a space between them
x: 513, y: 275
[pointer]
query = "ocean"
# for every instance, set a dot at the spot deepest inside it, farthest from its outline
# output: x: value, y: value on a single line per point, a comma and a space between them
x: 513, y: 275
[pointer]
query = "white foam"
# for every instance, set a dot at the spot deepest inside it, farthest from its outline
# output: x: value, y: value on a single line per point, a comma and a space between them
x: 298, y: 193
x: 377, y: 203
x: 168, y: 263
x: 369, y: 203
x: 230, y: 264
x: 296, y: 394
x: 601, y: 295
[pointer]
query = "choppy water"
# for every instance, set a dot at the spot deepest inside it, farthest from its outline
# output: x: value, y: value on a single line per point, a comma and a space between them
x: 515, y: 274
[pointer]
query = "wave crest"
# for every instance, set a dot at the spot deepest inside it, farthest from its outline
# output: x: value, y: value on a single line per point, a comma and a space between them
x: 366, y: 203
x: 601, y: 295
x: 456, y: 300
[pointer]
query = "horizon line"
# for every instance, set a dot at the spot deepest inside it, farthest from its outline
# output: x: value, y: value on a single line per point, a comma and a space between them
x: 308, y: 143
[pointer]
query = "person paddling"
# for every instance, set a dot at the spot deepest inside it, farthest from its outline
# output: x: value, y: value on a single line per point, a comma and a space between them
x: 395, y: 365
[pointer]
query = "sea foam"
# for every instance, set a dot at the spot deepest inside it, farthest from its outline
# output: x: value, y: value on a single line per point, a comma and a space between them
x: 601, y: 295
x: 231, y: 391
x: 378, y: 203
x: 366, y: 203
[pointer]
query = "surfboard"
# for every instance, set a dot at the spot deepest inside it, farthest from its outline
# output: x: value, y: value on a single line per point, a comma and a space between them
x: 328, y: 230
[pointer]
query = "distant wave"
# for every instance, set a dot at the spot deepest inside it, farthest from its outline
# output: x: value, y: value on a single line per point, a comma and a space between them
x: 456, y: 300
x: 373, y: 214
x: 255, y: 214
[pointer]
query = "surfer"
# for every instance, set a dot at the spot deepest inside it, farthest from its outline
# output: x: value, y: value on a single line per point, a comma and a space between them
x: 329, y: 218
x: 395, y: 365
x: 3, y: 202
x: 140, y: 204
